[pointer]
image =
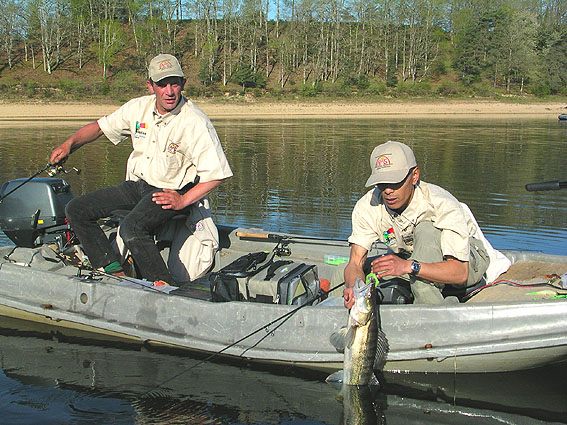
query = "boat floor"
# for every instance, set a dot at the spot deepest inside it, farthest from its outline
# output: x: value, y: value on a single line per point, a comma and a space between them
x: 532, y: 274
x: 524, y: 281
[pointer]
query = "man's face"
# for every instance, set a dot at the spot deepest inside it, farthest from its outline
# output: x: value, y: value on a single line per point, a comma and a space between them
x: 397, y: 196
x: 168, y: 93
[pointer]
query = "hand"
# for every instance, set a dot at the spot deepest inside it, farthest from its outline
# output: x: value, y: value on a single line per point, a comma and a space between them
x: 348, y: 296
x: 59, y: 154
x: 169, y: 199
x: 390, y: 265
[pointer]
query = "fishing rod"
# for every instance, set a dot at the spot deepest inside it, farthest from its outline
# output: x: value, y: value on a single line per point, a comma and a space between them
x: 277, y: 237
x: 285, y: 316
x: 551, y: 185
x: 52, y: 170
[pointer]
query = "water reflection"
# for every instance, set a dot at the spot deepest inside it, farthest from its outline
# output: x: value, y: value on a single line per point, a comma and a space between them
x: 304, y: 176
x: 46, y: 379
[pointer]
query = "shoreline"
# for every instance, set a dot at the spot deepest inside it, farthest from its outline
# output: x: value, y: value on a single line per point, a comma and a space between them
x: 10, y: 112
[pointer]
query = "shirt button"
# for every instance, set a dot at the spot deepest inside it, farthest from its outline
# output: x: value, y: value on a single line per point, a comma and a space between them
x: 147, y: 157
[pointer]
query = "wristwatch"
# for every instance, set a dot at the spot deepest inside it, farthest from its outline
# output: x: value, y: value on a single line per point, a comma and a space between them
x: 415, y: 267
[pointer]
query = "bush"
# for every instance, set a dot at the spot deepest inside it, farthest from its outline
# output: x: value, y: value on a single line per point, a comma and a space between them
x: 448, y: 88
x: 70, y: 87
x: 245, y: 76
x: 191, y: 91
x: 312, y: 90
x: 422, y: 88
x: 541, y: 90
x: 125, y: 85
x: 30, y: 88
x: 391, y: 79
x: 375, y: 87
x: 482, y: 90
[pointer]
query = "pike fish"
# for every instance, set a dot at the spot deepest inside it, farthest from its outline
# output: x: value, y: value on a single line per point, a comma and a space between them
x: 361, y: 336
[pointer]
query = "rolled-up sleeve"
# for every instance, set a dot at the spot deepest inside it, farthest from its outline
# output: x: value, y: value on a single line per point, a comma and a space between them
x: 363, y: 233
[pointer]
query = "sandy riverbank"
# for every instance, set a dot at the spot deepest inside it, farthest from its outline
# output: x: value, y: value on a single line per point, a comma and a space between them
x: 394, y: 108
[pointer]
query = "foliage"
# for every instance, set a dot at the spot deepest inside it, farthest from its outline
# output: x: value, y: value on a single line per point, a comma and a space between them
x: 245, y: 76
x: 410, y: 48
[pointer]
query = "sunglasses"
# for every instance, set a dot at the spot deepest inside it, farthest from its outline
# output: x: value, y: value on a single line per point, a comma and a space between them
x: 394, y: 186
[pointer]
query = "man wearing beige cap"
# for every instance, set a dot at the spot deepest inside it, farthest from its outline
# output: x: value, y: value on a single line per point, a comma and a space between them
x: 176, y: 161
x: 434, y: 239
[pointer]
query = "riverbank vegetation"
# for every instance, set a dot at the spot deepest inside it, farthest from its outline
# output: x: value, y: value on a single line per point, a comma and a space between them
x: 278, y: 49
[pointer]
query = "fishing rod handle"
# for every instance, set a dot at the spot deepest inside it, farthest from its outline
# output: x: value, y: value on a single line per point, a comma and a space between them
x: 258, y: 235
x: 551, y: 185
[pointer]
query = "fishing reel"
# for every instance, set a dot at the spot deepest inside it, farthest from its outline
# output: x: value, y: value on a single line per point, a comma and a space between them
x: 53, y: 170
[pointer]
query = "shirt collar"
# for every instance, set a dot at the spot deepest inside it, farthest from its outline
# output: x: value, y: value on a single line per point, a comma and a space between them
x: 412, y: 211
x: 171, y: 114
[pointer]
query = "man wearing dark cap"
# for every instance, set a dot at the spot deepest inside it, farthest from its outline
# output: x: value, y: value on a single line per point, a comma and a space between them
x: 177, y: 160
x: 433, y: 238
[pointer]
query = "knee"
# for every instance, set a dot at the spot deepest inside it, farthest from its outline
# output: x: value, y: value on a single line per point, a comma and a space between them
x: 74, y: 209
x: 131, y: 230
x: 427, y: 243
x: 426, y: 232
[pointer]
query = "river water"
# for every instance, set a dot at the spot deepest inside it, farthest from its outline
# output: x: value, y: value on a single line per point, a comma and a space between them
x: 297, y: 176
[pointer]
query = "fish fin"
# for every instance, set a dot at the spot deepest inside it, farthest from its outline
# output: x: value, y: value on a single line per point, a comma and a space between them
x: 382, y: 349
x: 335, y: 377
x: 337, y: 339
x: 349, y: 337
x: 374, y: 382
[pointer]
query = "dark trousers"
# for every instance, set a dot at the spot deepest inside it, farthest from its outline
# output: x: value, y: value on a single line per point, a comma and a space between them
x: 137, y: 229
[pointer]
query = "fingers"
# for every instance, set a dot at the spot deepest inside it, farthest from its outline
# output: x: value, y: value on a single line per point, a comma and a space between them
x: 168, y: 199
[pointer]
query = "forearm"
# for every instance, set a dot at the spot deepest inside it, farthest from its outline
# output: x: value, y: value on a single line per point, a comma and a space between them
x: 84, y: 135
x: 355, y: 265
x: 199, y: 191
x: 449, y: 271
x: 352, y: 271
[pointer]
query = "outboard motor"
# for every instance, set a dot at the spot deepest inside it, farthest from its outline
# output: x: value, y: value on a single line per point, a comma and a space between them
x: 35, y: 213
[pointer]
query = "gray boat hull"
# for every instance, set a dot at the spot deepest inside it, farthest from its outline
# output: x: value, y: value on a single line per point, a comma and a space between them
x: 446, y: 338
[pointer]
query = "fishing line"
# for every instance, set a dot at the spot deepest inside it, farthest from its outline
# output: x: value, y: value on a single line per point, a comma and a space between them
x: 26, y: 181
x: 285, y: 316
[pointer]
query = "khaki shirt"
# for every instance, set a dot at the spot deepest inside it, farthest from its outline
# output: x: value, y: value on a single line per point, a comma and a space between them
x: 170, y: 150
x: 373, y: 221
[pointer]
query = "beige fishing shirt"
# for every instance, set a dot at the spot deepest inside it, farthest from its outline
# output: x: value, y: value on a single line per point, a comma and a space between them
x: 373, y: 221
x: 170, y: 150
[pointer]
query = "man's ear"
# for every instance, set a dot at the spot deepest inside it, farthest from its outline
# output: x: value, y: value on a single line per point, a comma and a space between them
x: 415, y: 176
x: 150, y: 86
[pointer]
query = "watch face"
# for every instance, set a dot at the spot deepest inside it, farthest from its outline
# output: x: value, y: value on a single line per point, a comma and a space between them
x: 415, y: 267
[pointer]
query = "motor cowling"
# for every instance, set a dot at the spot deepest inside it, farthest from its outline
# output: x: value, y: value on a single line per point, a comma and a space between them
x: 34, y: 213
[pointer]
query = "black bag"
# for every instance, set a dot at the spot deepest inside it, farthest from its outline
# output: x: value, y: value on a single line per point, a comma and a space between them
x: 224, y: 288
x: 224, y: 283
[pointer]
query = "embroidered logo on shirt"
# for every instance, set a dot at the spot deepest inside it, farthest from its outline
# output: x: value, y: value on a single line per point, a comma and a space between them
x: 389, y: 236
x: 172, y: 147
x: 140, y: 129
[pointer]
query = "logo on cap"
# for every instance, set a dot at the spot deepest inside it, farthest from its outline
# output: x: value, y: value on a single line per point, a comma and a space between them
x: 382, y: 161
x: 165, y: 65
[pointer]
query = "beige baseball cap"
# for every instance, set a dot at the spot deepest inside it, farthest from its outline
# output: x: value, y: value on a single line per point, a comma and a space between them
x: 390, y: 163
x: 163, y: 66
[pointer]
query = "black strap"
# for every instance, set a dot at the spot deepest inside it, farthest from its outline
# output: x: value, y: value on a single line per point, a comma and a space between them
x: 276, y: 265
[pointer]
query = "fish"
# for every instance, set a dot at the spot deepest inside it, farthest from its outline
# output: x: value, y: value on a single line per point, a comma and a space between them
x: 358, y: 406
x: 363, y: 342
x: 361, y: 336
